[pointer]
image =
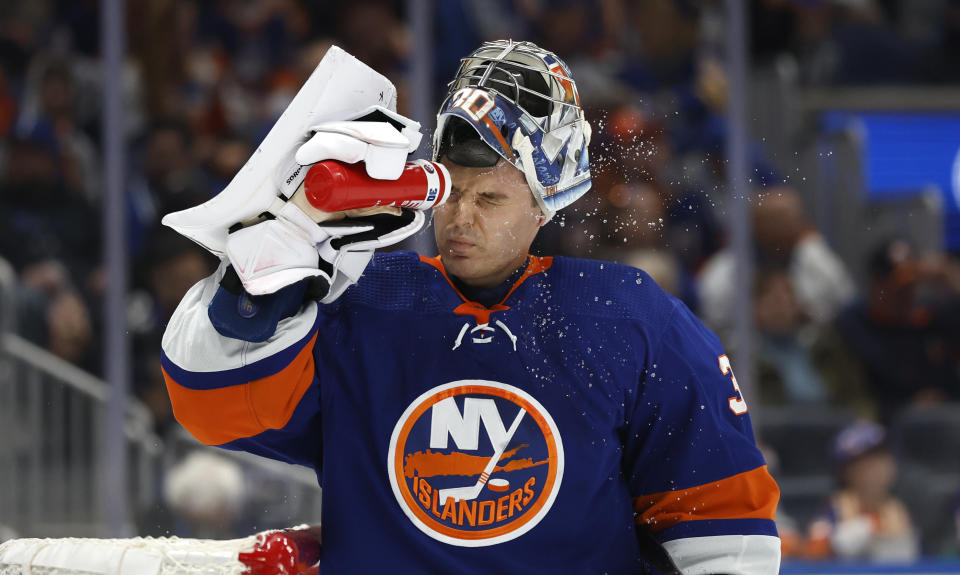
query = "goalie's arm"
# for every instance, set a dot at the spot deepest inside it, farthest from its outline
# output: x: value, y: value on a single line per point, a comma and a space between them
x: 245, y: 378
x: 700, y: 486
x: 256, y: 396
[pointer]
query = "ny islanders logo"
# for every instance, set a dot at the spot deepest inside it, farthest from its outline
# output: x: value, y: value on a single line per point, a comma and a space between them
x: 475, y: 463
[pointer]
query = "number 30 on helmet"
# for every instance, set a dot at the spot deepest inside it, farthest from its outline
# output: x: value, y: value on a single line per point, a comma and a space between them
x: 522, y: 102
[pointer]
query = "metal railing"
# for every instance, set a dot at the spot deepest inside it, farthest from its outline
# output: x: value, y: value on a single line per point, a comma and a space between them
x: 8, y: 294
x: 50, y: 413
x: 51, y: 455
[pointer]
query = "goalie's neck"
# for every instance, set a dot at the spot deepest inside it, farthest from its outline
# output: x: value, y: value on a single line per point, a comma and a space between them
x: 489, y: 296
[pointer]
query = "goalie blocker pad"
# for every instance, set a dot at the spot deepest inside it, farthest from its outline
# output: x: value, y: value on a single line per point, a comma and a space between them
x: 340, y: 88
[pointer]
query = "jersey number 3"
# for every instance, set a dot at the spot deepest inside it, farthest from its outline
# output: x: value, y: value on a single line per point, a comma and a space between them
x: 737, y: 404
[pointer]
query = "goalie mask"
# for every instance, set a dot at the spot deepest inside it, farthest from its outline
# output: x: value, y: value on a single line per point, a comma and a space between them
x: 522, y: 103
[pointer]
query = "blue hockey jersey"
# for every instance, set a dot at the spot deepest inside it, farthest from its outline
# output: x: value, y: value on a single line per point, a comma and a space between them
x: 533, y: 436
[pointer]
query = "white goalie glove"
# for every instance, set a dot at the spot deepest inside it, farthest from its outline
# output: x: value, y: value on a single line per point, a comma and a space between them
x: 278, y: 252
x: 345, y: 112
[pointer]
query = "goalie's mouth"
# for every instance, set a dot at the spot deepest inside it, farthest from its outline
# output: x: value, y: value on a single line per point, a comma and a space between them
x: 458, y: 246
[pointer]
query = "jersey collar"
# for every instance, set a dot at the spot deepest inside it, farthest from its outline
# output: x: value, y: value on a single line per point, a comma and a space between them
x: 535, y: 265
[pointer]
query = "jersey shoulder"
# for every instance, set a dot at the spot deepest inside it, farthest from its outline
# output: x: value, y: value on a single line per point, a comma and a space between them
x: 605, y: 289
x: 393, y: 281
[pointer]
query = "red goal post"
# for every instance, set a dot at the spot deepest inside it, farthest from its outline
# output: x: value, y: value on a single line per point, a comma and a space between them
x: 283, y: 552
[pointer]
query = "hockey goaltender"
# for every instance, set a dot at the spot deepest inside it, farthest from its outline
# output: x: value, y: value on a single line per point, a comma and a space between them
x: 480, y: 411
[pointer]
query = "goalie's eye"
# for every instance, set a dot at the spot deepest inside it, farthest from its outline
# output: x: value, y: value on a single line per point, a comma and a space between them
x: 491, y: 198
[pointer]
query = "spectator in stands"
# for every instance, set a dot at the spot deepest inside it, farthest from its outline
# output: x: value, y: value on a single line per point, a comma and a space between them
x: 906, y: 333
x: 166, y: 179
x: 638, y: 143
x: 799, y: 362
x: 51, y: 241
x: 43, y: 219
x: 226, y: 159
x: 786, y: 372
x: 633, y: 222
x: 784, y: 240
x: 204, y: 496
x: 863, y: 520
x: 50, y: 106
x: 385, y: 51
x: 649, y: 215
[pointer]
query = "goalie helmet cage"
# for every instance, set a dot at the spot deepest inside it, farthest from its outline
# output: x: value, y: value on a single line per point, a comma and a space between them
x: 284, y: 552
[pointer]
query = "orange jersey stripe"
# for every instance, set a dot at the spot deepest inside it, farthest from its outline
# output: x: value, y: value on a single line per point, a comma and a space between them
x: 218, y: 416
x: 749, y: 495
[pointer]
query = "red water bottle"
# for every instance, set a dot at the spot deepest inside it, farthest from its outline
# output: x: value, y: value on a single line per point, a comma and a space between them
x: 332, y: 186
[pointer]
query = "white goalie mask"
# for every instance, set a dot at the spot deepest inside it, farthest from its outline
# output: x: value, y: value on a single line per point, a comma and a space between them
x: 522, y: 102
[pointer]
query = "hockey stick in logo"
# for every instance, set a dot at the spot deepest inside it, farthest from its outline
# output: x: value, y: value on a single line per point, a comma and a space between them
x: 470, y: 492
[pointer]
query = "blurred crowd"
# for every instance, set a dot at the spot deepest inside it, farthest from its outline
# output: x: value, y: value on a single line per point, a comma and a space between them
x: 203, y: 81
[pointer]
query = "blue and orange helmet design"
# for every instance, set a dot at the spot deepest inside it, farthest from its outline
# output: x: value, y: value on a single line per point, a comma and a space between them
x: 523, y: 102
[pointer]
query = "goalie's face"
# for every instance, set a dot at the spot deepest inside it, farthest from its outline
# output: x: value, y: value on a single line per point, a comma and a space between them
x: 485, y: 228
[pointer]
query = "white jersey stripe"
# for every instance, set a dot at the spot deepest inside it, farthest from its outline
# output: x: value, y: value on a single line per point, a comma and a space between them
x: 191, y: 342
x: 730, y: 554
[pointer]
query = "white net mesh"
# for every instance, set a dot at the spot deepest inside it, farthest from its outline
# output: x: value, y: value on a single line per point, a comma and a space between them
x: 138, y: 556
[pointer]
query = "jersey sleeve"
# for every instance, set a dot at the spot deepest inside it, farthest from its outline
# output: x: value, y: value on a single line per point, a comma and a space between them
x: 699, y: 484
x: 262, y: 397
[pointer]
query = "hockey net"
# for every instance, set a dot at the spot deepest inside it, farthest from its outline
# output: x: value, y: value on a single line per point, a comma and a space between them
x: 284, y: 552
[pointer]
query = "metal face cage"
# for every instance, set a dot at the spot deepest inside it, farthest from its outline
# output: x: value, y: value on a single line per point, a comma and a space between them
x: 523, y: 104
x: 526, y: 75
